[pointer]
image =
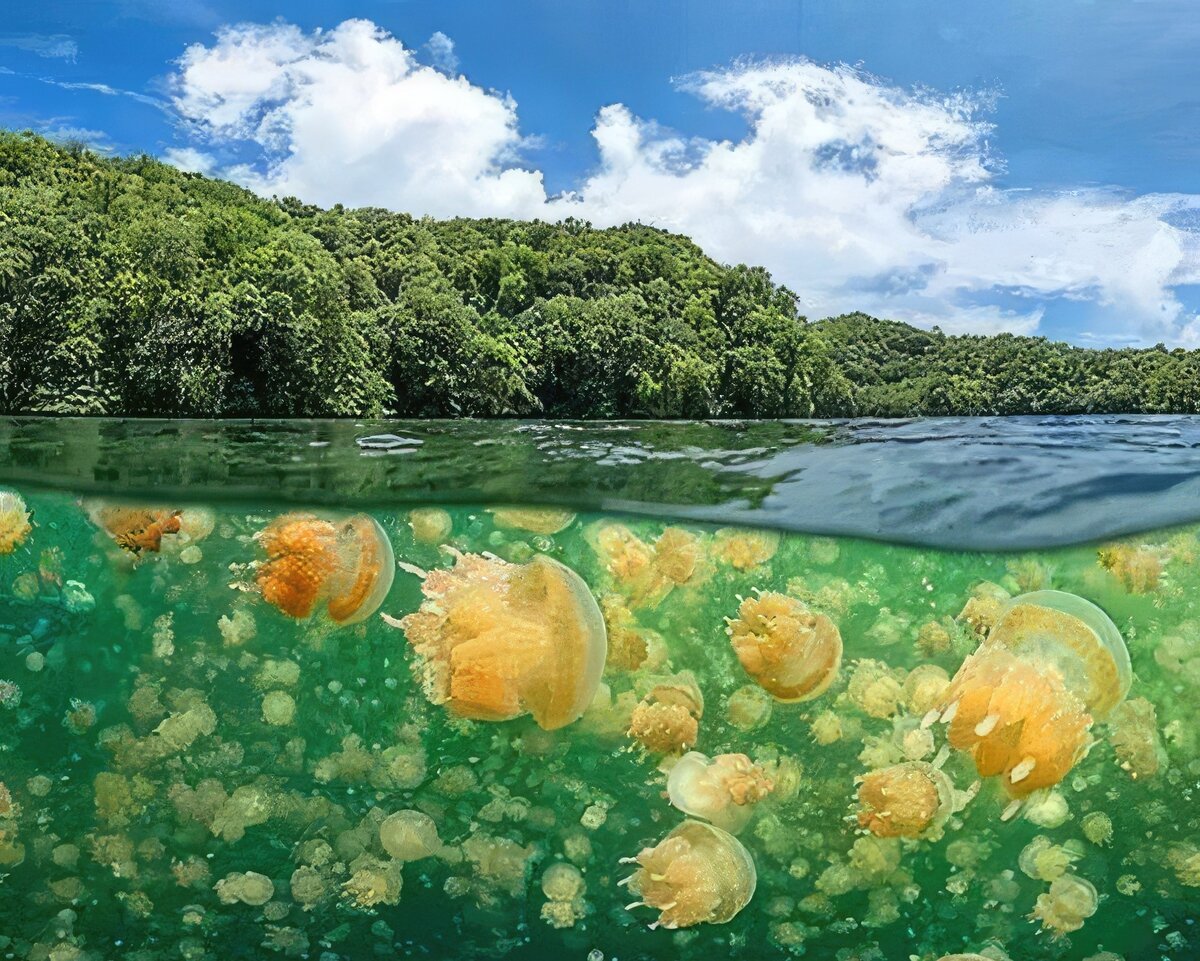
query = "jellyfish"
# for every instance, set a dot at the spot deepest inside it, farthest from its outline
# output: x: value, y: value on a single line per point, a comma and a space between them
x: 495, y: 640
x: 697, y: 874
x: 743, y: 550
x: 410, y: 836
x: 667, y: 719
x: 347, y: 565
x: 1024, y: 702
x: 430, y: 525
x: 14, y: 521
x: 134, y: 527
x: 913, y: 799
x: 536, y: 520
x: 722, y: 790
x: 1138, y: 568
x: 792, y: 652
x: 1066, y: 905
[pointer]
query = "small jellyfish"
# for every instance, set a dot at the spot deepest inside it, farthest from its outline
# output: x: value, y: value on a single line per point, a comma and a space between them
x: 697, y: 874
x: 430, y: 525
x: 1137, y: 567
x: 792, y: 652
x: 1133, y: 731
x: 1023, y: 703
x: 667, y: 719
x: 134, y: 527
x: 496, y: 640
x: 722, y: 790
x: 913, y: 799
x: 749, y: 707
x: 745, y: 549
x: 346, y: 564
x: 410, y: 836
x: 536, y: 520
x: 14, y: 521
x: 1070, y: 901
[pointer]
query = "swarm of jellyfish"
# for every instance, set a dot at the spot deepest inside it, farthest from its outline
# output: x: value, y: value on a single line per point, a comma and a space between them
x: 1023, y: 704
x: 495, y: 640
x: 697, y: 874
x: 345, y: 565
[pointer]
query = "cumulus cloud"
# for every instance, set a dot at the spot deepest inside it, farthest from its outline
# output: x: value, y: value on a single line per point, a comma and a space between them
x: 855, y: 193
x: 441, y: 52
x: 191, y: 160
x: 350, y: 116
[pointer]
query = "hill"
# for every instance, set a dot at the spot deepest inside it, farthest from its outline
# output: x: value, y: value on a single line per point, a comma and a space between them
x: 128, y: 287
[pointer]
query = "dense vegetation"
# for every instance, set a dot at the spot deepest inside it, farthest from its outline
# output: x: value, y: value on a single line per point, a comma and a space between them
x: 129, y: 287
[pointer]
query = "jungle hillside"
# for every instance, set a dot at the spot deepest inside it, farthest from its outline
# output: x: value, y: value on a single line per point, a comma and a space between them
x: 128, y: 287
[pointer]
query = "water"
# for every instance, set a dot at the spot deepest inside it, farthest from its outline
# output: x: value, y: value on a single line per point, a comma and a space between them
x: 284, y: 744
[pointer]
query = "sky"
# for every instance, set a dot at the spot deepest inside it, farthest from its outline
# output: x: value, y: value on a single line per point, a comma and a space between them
x: 980, y: 166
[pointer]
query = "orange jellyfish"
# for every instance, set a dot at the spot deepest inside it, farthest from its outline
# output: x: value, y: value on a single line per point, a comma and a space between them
x: 792, y: 652
x: 536, y: 520
x: 667, y: 719
x: 135, y: 528
x: 496, y: 640
x: 745, y: 549
x: 697, y: 874
x: 1024, y: 702
x: 909, y: 800
x: 722, y: 790
x: 14, y: 521
x: 347, y: 565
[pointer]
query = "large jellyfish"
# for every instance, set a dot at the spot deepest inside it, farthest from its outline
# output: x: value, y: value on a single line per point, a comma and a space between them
x: 722, y: 790
x: 496, y: 640
x: 14, y: 521
x: 792, y: 652
x: 696, y: 874
x: 346, y: 564
x: 1024, y: 702
x: 913, y: 799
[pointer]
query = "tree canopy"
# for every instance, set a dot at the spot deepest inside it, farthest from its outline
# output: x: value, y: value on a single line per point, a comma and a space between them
x: 128, y: 287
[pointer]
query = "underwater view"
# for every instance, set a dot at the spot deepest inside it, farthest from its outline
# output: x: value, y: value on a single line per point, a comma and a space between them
x: 246, y: 727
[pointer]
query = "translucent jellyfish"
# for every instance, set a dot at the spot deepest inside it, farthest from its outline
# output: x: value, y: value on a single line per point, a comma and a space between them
x: 14, y: 521
x: 745, y: 549
x: 749, y: 707
x: 1137, y: 567
x: 1070, y: 901
x: 697, y: 874
x: 563, y: 885
x: 496, y: 640
x: 667, y: 718
x: 347, y: 565
x: 626, y: 557
x: 1023, y: 703
x: 430, y: 525
x: 137, y: 527
x: 410, y: 836
x: 248, y: 888
x: 792, y: 652
x: 536, y: 520
x: 631, y: 647
x: 722, y: 790
x: 1133, y: 732
x: 909, y: 800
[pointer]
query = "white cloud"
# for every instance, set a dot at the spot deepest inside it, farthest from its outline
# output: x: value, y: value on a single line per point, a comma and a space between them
x: 350, y: 116
x: 190, y: 159
x: 54, y: 46
x: 855, y: 193
x: 441, y: 52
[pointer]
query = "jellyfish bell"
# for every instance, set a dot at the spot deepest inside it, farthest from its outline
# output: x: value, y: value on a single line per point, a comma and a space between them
x: 667, y: 719
x: 1024, y: 702
x: 697, y: 874
x: 134, y: 528
x: 913, y: 799
x: 496, y: 640
x: 722, y: 790
x: 15, y: 523
x: 535, y: 520
x: 792, y: 652
x: 347, y: 565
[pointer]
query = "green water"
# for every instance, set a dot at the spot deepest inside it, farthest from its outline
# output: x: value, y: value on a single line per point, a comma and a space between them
x: 116, y: 838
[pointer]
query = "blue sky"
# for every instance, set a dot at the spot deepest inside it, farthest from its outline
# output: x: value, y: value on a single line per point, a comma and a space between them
x: 1055, y: 194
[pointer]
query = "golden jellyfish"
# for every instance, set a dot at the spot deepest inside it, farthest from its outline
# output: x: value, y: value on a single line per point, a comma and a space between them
x: 792, y: 652
x: 135, y: 528
x: 1069, y: 902
x: 430, y: 525
x: 909, y: 800
x: 14, y: 521
x: 667, y: 719
x: 697, y: 874
x: 624, y: 555
x: 496, y: 640
x: 535, y: 520
x: 722, y: 790
x: 345, y: 564
x: 1024, y: 702
x: 745, y: 549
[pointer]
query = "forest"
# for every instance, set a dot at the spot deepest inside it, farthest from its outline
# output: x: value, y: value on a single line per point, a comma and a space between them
x: 130, y: 288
